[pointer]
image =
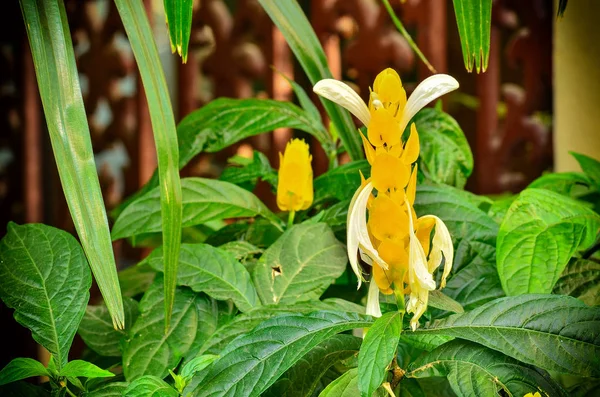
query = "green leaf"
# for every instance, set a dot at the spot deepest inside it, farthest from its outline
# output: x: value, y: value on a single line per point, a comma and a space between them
x: 58, y: 82
x: 248, y: 174
x: 22, y: 368
x: 300, y: 265
x: 590, y: 166
x: 241, y: 250
x: 178, y: 14
x: 300, y: 36
x: 197, y: 364
x: 581, y: 279
x: 377, y: 352
x: 539, y: 234
x: 424, y: 342
x: 83, y: 368
x: 213, y: 271
x: 151, y: 351
x: 149, y: 386
x: 23, y: 388
x: 562, y: 330
x: 499, y: 208
x: 341, y: 182
x: 113, y: 389
x: 570, y: 184
x: 45, y: 278
x: 203, y: 200
x: 344, y: 386
x: 445, y: 153
x: 304, y: 377
x: 247, y: 321
x: 253, y: 362
x: 135, y: 280
x: 441, y: 301
x: 137, y: 27
x: 97, y: 331
x: 474, y: 370
x: 474, y: 19
x: 305, y: 102
x: 474, y: 277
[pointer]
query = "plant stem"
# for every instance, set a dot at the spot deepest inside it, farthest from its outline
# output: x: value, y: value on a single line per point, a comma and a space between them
x: 69, y: 391
x: 404, y: 33
x: 291, y: 219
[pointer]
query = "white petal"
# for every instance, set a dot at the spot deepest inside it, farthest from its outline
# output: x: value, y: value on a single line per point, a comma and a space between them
x: 352, y: 238
x: 345, y: 96
x: 373, y: 308
x: 417, y: 260
x: 430, y: 89
x: 441, y: 244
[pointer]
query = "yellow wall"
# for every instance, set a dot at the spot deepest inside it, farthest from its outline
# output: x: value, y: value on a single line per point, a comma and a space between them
x: 577, y: 83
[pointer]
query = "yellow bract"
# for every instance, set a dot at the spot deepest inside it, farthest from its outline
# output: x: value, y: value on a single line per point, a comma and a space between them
x: 295, y: 186
x: 536, y: 394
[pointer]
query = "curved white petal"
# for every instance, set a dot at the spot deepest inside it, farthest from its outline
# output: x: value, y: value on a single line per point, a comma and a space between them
x: 373, y: 308
x: 343, y: 95
x: 430, y: 89
x: 352, y: 238
x: 418, y: 272
x: 441, y: 244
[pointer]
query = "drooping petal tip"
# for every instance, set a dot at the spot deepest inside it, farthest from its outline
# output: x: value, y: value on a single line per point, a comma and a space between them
x: 345, y: 96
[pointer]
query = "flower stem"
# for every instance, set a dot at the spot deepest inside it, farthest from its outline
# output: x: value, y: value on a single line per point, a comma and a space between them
x: 404, y: 33
x: 291, y: 219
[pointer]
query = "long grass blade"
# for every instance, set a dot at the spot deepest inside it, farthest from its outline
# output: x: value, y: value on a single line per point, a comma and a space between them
x: 58, y: 82
x: 179, y: 20
x: 142, y: 42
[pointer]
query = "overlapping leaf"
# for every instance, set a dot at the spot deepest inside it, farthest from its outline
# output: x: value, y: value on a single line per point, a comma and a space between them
x: 341, y: 182
x: 581, y: 279
x: 149, y: 385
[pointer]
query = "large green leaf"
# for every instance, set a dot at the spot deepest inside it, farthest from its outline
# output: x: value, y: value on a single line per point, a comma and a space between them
x: 83, y: 368
x: 304, y: 377
x: 97, y: 331
x: 300, y: 265
x: 341, y: 182
x: 45, y: 278
x: 213, y: 271
x: 581, y: 279
x: 178, y: 14
x: 22, y: 368
x: 149, y: 386
x: 538, y: 236
x: 377, y: 352
x: 474, y: 370
x: 203, y: 200
x: 554, y: 332
x: 253, y: 362
x: 151, y: 351
x: 113, y: 389
x: 137, y: 27
x: 474, y: 20
x: 474, y: 278
x: 344, y: 386
x: 590, y: 166
x: 300, y: 36
x: 58, y: 82
x: 570, y: 184
x: 247, y: 321
x: 445, y: 153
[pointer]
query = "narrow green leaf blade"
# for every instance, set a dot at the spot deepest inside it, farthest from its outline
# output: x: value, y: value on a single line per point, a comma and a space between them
x: 203, y: 200
x: 564, y: 331
x: 539, y: 234
x: 253, y: 362
x: 300, y: 265
x: 137, y: 27
x: 304, y: 377
x: 149, y: 385
x: 58, y: 82
x: 474, y: 370
x: 445, y: 153
x: 474, y: 20
x: 97, y: 331
x: 197, y: 364
x: 178, y: 14
x: 441, y: 301
x: 377, y: 352
x: 149, y: 351
x: 83, y: 368
x: 22, y: 368
x: 45, y: 278
x: 300, y: 36
x: 213, y: 271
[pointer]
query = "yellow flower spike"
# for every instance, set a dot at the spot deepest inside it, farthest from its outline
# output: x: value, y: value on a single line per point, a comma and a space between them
x: 369, y: 149
x: 295, y: 185
x: 536, y: 394
x: 389, y: 173
x: 388, y: 88
x: 441, y: 246
x: 412, y: 147
x: 411, y: 188
x: 383, y: 129
x: 396, y: 256
x: 387, y: 220
x: 424, y: 227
